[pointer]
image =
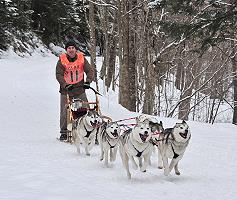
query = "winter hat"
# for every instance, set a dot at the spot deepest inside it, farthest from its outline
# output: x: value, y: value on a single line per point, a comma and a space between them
x: 70, y: 43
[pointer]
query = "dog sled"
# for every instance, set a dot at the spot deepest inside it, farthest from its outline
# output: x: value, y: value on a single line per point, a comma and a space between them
x: 76, y: 108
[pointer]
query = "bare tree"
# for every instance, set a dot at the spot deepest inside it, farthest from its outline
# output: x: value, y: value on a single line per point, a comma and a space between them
x: 234, y: 74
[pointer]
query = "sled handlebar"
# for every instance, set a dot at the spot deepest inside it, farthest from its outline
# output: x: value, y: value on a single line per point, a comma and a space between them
x: 94, y: 90
x: 89, y: 87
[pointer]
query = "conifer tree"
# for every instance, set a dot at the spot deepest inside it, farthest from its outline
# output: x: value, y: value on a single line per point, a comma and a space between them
x: 3, y: 23
x: 22, y: 17
x: 57, y: 19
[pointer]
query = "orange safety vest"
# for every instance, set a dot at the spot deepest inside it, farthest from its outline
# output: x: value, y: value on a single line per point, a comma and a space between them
x: 74, y: 71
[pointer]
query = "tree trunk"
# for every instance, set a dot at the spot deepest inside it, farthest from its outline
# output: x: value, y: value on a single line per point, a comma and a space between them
x: 93, y: 39
x: 184, y: 106
x: 132, y: 59
x: 103, y: 21
x: 234, y: 72
x: 186, y: 91
x: 111, y: 61
x: 123, y: 75
x: 212, y: 110
x: 127, y: 68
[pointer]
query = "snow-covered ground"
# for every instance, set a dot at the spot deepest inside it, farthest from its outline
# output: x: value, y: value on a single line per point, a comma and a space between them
x: 35, y: 166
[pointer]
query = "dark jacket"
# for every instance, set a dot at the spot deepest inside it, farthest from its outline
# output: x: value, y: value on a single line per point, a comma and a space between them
x: 78, y: 87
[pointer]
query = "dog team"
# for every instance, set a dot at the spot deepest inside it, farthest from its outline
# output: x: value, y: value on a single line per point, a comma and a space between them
x: 134, y: 144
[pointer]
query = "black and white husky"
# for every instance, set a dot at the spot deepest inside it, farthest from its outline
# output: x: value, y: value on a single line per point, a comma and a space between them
x: 135, y: 143
x: 108, y: 140
x: 156, y: 129
x: 84, y: 131
x: 172, y: 143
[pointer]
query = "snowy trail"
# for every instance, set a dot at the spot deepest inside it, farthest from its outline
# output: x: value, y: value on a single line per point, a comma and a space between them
x: 34, y: 165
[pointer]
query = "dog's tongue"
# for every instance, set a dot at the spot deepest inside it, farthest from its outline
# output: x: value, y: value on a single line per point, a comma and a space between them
x: 93, y: 124
x: 115, y: 134
x: 143, y: 137
x: 183, y: 135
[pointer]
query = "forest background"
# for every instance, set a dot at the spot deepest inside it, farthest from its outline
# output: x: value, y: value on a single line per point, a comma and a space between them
x: 170, y: 58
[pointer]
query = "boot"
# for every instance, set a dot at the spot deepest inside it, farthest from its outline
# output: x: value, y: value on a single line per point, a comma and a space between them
x: 63, y: 136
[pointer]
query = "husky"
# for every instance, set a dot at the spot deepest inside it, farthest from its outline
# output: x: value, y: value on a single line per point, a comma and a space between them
x: 85, y: 129
x: 156, y: 129
x: 145, y: 117
x: 172, y: 143
x: 108, y: 140
x: 135, y: 143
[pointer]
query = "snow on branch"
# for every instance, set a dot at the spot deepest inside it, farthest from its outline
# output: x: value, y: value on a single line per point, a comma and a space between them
x: 200, y: 87
x: 102, y: 3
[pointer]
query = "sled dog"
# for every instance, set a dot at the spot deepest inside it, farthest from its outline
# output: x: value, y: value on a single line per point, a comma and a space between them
x: 135, y: 143
x: 84, y: 131
x: 172, y: 143
x: 145, y: 117
x: 156, y: 129
x: 108, y: 140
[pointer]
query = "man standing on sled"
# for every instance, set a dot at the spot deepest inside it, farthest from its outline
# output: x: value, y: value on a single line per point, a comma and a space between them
x: 70, y: 75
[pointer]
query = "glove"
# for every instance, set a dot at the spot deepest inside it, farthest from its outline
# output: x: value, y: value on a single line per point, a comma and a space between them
x: 69, y: 87
x: 86, y: 85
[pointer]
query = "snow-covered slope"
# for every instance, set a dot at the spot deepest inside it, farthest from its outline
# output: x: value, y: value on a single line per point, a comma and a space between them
x: 35, y: 166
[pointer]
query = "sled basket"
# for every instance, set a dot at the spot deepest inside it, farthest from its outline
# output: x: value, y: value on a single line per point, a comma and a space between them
x: 79, y: 108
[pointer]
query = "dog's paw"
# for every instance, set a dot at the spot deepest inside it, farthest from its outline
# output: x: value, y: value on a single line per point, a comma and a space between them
x: 129, y: 176
x: 143, y: 169
x: 177, y: 173
x: 78, y: 151
x: 166, y: 172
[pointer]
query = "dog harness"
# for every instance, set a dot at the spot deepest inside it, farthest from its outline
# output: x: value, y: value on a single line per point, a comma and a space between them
x: 87, y: 132
x: 139, y: 153
x: 74, y: 71
x: 173, y: 143
x: 107, y: 138
x: 125, y: 136
x: 111, y: 146
x: 175, y: 154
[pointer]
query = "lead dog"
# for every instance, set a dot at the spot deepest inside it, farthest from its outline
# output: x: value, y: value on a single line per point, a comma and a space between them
x: 108, y: 140
x: 172, y: 144
x: 84, y: 131
x: 135, y: 143
x: 156, y: 129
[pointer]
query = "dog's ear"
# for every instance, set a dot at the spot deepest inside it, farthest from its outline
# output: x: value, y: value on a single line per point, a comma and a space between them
x: 161, y: 125
x: 137, y: 119
x: 184, y: 122
x: 151, y: 123
x: 141, y: 123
